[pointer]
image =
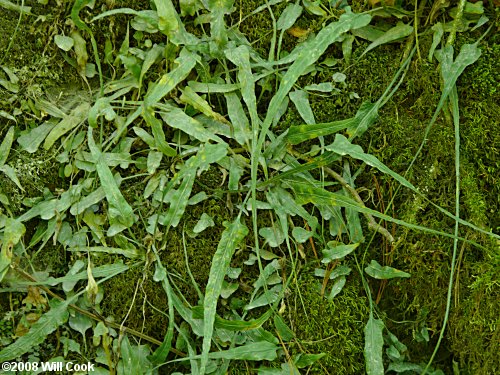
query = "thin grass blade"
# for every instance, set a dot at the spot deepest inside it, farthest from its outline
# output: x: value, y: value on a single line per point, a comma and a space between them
x: 231, y: 237
x: 121, y: 215
x: 301, y: 100
x: 399, y: 31
x: 374, y: 343
x: 6, y: 145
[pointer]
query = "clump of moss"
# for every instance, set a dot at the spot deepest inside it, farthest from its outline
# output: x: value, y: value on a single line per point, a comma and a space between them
x: 33, y: 175
x: 475, y: 324
x: 331, y: 327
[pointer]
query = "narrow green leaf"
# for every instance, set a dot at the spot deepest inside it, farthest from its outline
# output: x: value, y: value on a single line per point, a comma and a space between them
x: 218, y: 9
x: 255, y: 351
x: 266, y: 298
x: 6, y: 145
x: 185, y: 63
x: 374, y: 343
x: 375, y: 270
x: 204, y: 222
x: 234, y: 233
x: 47, y: 324
x: 283, y: 330
x: 177, y: 119
x: 154, y: 161
x: 93, y: 198
x: 280, y: 198
x: 129, y: 253
x: 121, y: 215
x: 102, y: 106
x: 15, y: 7
x: 241, y: 127
x: 347, y: 47
x: 241, y: 58
x: 269, y: 271
x: 334, y: 251
x: 451, y: 70
x: 288, y: 17
x: 12, y: 233
x: 399, y: 31
x: 75, y: 118
x: 158, y: 134
x: 352, y: 216
x: 301, y: 133
x: 436, y: 38
x: 308, y: 194
x: 32, y: 140
x: 213, y: 88
x: 314, y: 7
x: 106, y: 270
x: 11, y: 174
x: 112, y: 12
x: 189, y: 96
x: 152, y: 55
x: 145, y: 136
x: 178, y: 199
x: 168, y: 19
x: 45, y: 209
x: 306, y: 58
x: 301, y: 101
x: 306, y: 360
x: 342, y: 146
x: 337, y: 287
x: 321, y: 87
x: 234, y: 325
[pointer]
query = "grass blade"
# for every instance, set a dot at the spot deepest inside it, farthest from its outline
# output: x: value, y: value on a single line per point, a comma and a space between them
x: 177, y: 119
x: 190, y: 97
x: 6, y: 145
x: 301, y: 101
x: 241, y: 127
x: 256, y: 351
x: 302, y: 133
x: 399, y: 31
x: 234, y: 325
x: 377, y: 271
x: 241, y: 58
x: 185, y: 63
x: 231, y: 237
x: 158, y: 134
x: 309, y: 194
x: 12, y: 233
x: 11, y: 174
x: 374, y: 343
x: 75, y: 118
x: 32, y: 140
x: 342, y: 146
x: 121, y: 215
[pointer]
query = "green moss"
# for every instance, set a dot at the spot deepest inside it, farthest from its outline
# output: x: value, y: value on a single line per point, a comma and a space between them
x: 331, y: 327
x: 475, y: 325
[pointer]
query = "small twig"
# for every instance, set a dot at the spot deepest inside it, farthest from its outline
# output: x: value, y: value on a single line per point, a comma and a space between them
x: 311, y: 241
x: 95, y: 316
